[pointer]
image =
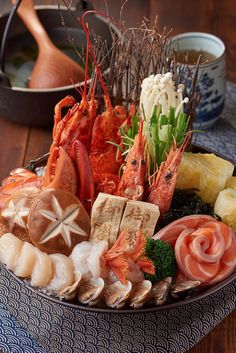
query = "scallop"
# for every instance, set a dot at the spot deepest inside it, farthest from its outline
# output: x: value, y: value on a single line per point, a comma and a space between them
x: 86, y: 257
x: 139, y: 294
x: 62, y: 273
x: 94, y: 263
x: 160, y: 291
x: 42, y: 270
x: 116, y: 294
x: 90, y: 292
x: 10, y: 249
x: 79, y: 256
x: 26, y: 260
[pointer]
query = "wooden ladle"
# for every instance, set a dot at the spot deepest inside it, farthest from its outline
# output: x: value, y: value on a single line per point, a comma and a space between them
x: 52, y: 68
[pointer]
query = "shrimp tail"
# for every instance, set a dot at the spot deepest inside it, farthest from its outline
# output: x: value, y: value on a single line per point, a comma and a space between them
x: 146, y: 265
x: 116, y: 259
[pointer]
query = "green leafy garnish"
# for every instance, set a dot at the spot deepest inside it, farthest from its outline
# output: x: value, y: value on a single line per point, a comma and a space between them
x: 165, y: 130
x: 163, y: 257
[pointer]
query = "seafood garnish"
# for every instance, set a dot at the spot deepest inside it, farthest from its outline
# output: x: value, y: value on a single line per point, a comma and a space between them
x: 139, y: 294
x: 160, y: 291
x: 184, y: 289
x: 90, y: 292
x: 117, y: 294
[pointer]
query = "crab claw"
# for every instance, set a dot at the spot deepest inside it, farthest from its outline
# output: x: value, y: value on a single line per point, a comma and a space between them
x: 60, y: 172
x: 85, y: 187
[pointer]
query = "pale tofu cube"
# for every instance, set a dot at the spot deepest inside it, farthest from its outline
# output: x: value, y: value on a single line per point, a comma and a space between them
x: 139, y: 215
x: 106, y: 216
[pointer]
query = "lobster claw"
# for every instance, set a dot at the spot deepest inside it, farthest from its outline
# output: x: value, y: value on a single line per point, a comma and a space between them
x: 85, y: 186
x: 60, y: 171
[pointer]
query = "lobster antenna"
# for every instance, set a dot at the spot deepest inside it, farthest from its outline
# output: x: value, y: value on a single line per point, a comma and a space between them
x: 78, y: 88
x: 94, y: 85
x: 86, y: 69
x: 85, y: 26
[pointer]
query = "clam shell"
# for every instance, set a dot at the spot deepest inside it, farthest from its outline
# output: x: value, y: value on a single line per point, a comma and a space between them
x: 116, y: 294
x: 184, y: 289
x: 69, y: 292
x: 139, y: 294
x: 91, y: 291
x: 160, y: 291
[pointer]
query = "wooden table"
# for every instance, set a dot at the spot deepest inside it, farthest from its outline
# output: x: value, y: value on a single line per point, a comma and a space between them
x: 20, y: 144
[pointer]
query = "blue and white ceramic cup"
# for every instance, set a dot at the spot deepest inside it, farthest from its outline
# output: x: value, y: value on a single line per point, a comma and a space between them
x: 211, y: 84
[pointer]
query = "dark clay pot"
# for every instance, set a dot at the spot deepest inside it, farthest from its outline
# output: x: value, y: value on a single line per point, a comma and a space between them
x: 35, y: 107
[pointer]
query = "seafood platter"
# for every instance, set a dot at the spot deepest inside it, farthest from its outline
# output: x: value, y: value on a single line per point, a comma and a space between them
x: 123, y: 218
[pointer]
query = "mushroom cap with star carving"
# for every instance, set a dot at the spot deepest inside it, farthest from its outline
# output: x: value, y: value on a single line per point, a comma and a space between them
x: 57, y: 221
x: 13, y: 216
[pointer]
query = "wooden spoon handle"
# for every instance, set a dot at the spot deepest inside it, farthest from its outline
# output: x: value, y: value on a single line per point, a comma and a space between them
x: 30, y: 18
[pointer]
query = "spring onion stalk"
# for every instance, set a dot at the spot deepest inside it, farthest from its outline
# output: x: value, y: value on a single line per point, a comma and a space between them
x: 164, y: 131
x: 165, y: 123
x: 161, y: 103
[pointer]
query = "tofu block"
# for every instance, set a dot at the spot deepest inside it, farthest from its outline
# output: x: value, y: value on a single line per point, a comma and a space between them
x: 106, y: 216
x: 139, y: 215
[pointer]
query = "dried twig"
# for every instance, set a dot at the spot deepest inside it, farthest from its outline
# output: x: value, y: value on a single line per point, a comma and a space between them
x: 134, y: 54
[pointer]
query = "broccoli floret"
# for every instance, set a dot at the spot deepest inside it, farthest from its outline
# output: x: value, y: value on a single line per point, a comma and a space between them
x: 163, y: 258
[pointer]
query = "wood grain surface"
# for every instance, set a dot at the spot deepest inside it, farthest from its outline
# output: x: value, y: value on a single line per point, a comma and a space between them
x: 20, y: 144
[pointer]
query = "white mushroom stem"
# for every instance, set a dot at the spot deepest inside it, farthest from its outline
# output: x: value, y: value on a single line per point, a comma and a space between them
x: 180, y: 106
x: 160, y: 90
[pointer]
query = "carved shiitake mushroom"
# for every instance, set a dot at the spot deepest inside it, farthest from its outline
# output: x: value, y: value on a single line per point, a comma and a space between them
x: 13, y: 216
x: 57, y: 221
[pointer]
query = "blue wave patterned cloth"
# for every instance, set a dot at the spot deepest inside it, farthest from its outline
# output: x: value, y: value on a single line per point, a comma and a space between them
x: 30, y: 325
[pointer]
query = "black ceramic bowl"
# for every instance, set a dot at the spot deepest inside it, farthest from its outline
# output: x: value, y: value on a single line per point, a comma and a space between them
x: 65, y: 327
x: 33, y: 106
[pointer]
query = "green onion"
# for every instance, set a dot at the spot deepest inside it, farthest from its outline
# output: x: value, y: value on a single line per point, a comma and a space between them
x: 162, y: 131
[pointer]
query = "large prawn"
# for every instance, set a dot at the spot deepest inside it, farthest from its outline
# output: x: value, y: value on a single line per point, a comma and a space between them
x: 133, y: 178
x: 162, y: 190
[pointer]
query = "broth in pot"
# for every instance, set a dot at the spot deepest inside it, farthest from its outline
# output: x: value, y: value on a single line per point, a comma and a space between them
x: 191, y: 56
